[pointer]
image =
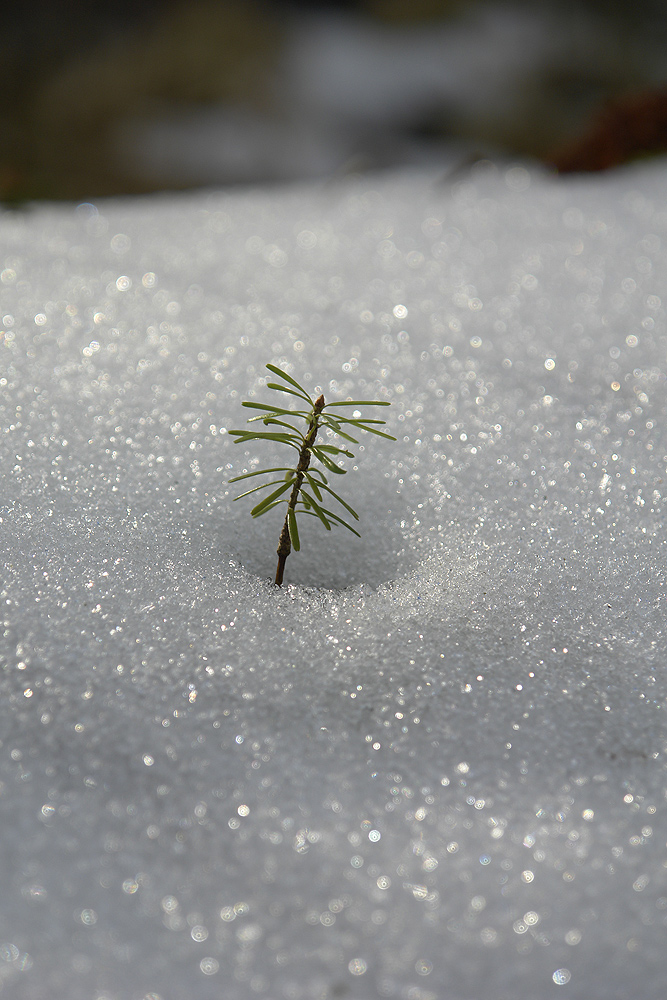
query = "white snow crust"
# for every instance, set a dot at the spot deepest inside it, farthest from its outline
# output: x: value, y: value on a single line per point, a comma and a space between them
x: 432, y: 767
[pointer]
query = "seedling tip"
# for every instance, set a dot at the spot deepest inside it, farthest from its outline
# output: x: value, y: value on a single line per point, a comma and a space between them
x: 296, y: 478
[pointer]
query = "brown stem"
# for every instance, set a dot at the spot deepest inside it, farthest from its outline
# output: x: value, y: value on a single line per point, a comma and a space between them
x: 284, y: 543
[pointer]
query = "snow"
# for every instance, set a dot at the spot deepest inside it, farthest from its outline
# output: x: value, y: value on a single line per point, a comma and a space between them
x: 432, y: 766
x: 380, y: 76
x: 348, y: 91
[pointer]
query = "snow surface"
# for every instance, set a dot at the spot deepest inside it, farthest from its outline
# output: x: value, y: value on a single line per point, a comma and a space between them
x: 433, y: 766
x: 349, y: 91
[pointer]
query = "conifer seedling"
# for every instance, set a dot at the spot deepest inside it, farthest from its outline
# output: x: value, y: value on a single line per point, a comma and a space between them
x: 302, y: 486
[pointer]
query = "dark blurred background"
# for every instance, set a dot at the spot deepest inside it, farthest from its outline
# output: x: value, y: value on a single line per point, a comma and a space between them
x: 109, y: 98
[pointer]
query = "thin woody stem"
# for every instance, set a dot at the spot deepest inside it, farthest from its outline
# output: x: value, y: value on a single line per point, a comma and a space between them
x: 284, y: 543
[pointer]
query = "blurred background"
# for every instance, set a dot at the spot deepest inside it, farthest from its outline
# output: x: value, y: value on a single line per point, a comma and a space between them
x: 114, y: 97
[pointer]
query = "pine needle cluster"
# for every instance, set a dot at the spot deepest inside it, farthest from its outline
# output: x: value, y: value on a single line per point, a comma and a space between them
x: 307, y: 485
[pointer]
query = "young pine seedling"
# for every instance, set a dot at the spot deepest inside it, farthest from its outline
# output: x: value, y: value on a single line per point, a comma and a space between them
x: 302, y: 486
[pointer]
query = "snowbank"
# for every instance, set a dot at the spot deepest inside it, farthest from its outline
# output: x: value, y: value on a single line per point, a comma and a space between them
x: 432, y: 767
